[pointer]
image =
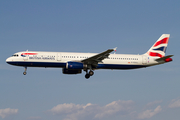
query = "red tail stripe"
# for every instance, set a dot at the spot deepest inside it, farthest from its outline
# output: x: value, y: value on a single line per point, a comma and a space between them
x: 155, y: 54
x: 163, y: 41
x: 29, y: 53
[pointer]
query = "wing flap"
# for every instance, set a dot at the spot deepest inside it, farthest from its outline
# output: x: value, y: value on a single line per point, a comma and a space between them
x: 98, y: 57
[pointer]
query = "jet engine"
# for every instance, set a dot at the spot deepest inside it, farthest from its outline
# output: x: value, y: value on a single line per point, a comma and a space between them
x: 75, y: 66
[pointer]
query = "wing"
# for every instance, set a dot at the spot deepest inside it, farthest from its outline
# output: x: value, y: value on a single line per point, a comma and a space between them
x: 98, y: 58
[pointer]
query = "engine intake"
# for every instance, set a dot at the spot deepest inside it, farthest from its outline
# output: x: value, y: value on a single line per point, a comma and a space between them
x: 74, y: 65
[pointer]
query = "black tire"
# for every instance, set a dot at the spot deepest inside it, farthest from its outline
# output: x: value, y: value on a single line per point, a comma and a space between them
x: 87, y: 76
x: 24, y: 73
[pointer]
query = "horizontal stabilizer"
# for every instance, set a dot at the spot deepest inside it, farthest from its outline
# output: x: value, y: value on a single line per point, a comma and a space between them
x: 164, y: 58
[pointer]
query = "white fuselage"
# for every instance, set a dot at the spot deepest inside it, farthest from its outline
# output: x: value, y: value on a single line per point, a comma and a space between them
x: 74, y: 63
x: 59, y: 59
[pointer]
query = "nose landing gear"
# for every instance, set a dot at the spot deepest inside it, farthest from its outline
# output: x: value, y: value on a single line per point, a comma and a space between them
x: 25, y: 69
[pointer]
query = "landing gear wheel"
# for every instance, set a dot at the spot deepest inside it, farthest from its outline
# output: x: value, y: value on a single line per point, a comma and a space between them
x: 25, y: 69
x: 24, y: 73
x: 91, y: 73
x: 87, y: 76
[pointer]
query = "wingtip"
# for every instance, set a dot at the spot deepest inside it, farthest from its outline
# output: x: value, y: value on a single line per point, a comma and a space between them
x: 115, y: 48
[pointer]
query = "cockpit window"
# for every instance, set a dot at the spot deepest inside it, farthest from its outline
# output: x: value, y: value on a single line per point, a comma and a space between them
x: 15, y: 55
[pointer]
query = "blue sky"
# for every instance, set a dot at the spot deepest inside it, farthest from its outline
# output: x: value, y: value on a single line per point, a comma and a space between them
x: 89, y: 26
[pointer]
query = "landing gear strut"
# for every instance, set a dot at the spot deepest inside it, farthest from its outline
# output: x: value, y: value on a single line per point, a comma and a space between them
x: 91, y: 73
x: 25, y: 69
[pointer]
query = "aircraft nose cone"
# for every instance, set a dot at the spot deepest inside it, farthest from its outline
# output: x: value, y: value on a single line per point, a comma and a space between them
x: 8, y: 60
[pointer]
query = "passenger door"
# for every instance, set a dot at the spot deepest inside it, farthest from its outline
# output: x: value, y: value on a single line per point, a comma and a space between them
x: 59, y: 57
x: 144, y: 59
x: 25, y: 56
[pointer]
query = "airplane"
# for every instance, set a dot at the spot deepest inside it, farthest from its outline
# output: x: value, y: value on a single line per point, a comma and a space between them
x: 74, y: 63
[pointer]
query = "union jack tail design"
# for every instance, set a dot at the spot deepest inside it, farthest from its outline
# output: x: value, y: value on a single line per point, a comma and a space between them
x: 159, y: 47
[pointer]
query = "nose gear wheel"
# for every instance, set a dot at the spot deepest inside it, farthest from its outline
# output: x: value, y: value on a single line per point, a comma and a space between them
x: 25, y: 69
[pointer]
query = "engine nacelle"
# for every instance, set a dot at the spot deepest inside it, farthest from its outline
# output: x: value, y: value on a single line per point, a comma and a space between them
x: 74, y: 65
x: 67, y: 71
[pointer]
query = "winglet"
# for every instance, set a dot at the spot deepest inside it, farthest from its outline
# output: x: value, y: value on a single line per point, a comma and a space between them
x: 115, y: 50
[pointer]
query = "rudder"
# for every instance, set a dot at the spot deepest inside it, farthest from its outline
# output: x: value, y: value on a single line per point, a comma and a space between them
x: 159, y: 47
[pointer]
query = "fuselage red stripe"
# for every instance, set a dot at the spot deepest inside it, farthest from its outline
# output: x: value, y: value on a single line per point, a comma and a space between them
x: 163, y: 41
x: 29, y: 54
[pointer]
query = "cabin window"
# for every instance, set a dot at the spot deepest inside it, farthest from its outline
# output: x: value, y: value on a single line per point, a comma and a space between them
x: 15, y: 55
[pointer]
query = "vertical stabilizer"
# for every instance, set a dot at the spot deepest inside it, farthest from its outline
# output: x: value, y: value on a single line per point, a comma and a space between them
x: 159, y: 47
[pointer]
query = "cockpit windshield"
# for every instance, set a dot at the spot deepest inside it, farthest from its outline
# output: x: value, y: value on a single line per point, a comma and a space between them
x: 15, y: 55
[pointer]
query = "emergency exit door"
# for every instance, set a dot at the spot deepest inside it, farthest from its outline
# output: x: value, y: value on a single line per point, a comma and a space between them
x: 59, y: 57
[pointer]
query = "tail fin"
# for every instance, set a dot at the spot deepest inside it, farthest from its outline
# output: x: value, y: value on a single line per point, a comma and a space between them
x: 159, y: 47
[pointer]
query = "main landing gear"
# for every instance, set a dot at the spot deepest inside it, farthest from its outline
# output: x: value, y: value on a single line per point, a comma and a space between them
x: 25, y: 69
x: 91, y: 73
